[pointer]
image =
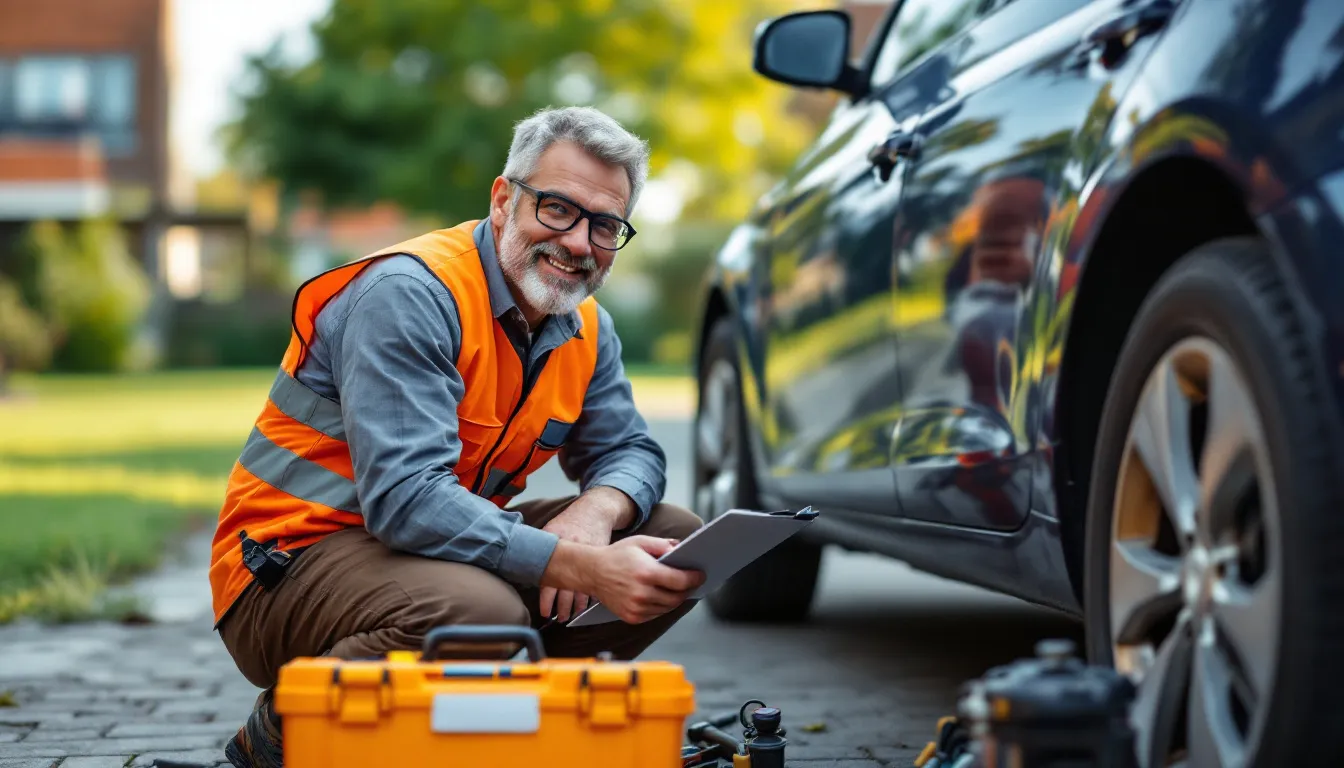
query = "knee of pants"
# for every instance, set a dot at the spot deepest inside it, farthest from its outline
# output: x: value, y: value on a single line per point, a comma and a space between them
x: 492, y: 607
x: 246, y: 653
x: 501, y: 611
x: 675, y: 522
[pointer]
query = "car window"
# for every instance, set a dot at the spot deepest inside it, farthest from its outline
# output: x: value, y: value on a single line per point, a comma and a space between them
x: 1012, y: 20
x: 919, y: 27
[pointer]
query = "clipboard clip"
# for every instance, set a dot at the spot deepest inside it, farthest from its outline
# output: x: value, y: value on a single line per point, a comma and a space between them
x: 806, y: 513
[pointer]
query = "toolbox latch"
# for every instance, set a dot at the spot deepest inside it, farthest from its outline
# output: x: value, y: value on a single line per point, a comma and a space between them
x: 608, y: 695
x: 360, y: 694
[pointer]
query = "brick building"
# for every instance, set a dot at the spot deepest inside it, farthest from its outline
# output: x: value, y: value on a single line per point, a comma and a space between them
x: 84, y: 116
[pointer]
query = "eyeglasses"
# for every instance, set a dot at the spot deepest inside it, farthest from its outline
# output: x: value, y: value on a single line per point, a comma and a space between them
x: 561, y: 214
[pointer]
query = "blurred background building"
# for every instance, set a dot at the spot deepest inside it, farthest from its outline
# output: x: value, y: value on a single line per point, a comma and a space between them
x: 193, y: 263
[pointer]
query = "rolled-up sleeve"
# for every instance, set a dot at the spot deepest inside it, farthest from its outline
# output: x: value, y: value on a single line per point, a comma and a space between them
x: 399, y: 388
x: 610, y: 444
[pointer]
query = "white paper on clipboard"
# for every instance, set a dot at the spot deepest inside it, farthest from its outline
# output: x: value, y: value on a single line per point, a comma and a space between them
x: 727, y: 544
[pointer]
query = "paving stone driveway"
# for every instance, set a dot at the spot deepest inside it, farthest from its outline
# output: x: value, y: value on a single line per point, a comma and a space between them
x: 881, y: 660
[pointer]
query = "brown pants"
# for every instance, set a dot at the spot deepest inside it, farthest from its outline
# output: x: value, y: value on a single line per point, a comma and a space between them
x: 349, y: 596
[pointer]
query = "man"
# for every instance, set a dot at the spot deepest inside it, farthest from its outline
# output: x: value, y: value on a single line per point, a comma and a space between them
x: 422, y: 385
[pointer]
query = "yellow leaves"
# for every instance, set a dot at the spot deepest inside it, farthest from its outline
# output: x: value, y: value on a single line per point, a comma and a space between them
x: 596, y: 7
x: 717, y: 113
x: 623, y: 35
x: 545, y: 15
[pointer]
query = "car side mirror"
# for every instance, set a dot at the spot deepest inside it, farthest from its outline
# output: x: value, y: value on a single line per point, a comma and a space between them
x: 810, y: 48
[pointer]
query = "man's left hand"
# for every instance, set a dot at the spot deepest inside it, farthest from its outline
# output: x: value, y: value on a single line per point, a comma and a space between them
x: 589, y: 519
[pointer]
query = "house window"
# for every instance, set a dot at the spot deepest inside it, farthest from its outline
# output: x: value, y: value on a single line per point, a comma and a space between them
x: 6, y: 92
x: 67, y: 96
x: 113, y: 105
x: 51, y: 90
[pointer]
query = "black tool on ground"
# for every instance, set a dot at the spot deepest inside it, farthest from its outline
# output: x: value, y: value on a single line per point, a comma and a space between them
x: 761, y: 746
x: 950, y: 749
x: 1052, y: 711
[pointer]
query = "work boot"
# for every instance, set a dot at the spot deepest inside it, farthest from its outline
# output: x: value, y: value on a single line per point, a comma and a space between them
x: 257, y: 744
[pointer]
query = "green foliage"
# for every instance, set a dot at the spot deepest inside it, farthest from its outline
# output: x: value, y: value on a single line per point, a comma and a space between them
x: 252, y: 331
x: 414, y: 101
x: 90, y: 291
x: 24, y: 341
x: 660, y: 329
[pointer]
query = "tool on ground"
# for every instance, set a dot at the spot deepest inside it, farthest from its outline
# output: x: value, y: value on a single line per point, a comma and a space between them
x: 762, y: 744
x: 1051, y: 711
x: 419, y: 709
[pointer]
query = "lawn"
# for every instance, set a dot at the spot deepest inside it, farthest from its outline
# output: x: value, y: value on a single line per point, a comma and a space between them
x: 99, y: 474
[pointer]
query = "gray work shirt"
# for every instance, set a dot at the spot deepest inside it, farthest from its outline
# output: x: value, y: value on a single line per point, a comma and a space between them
x: 385, y: 348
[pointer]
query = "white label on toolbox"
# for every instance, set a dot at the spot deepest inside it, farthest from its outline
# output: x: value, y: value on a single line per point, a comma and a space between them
x: 485, y: 713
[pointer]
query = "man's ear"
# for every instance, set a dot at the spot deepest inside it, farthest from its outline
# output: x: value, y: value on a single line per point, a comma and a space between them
x: 499, y: 202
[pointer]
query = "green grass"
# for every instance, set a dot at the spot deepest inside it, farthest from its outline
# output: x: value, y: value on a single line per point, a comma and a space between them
x: 204, y: 460
x: 657, y: 370
x: 99, y: 474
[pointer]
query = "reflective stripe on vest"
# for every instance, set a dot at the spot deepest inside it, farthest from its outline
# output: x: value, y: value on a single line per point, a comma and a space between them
x: 304, y: 405
x: 294, y: 483
x: 287, y: 471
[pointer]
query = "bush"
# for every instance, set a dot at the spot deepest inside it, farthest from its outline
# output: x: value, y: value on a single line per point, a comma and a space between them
x: 91, y: 292
x: 252, y: 331
x: 25, y: 343
x: 657, y: 322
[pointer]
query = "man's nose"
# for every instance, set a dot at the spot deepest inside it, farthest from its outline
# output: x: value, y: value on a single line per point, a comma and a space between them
x: 576, y: 240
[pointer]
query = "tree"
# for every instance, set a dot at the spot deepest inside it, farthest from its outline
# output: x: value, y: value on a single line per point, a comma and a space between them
x: 414, y: 101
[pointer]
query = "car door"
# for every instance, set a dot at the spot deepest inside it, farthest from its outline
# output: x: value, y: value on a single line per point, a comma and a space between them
x: 999, y: 157
x: 832, y: 399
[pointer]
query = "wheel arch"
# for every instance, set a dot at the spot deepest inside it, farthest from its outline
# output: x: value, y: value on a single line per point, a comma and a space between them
x: 1167, y: 208
x: 715, y: 307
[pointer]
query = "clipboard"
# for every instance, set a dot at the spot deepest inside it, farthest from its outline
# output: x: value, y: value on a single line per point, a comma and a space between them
x: 725, y: 546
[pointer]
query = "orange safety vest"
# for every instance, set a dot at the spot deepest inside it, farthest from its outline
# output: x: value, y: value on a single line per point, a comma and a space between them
x: 293, y: 483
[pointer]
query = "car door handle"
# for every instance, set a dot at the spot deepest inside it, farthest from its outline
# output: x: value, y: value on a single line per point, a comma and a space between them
x: 1116, y: 34
x: 897, y: 146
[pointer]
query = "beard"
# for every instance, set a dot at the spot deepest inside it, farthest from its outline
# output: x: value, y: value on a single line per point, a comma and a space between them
x: 520, y: 260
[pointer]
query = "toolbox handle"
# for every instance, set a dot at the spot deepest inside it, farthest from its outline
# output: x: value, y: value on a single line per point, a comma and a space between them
x: 483, y: 633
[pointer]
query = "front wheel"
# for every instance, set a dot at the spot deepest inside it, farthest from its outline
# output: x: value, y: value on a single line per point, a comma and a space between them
x: 1213, y: 526
x: 779, y: 585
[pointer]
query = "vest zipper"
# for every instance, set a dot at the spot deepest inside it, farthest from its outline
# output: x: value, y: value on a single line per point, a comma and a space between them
x: 531, y: 379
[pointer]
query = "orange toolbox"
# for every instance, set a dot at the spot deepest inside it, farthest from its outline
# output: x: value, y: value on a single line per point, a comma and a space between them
x: 415, y: 709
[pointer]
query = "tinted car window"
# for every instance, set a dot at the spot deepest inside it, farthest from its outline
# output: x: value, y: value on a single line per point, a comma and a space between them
x: 919, y: 27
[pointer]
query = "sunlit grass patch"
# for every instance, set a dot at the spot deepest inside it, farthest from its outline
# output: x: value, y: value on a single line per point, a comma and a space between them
x: 98, y: 474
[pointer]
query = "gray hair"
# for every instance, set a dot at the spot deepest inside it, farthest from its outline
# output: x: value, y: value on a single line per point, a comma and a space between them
x: 595, y: 132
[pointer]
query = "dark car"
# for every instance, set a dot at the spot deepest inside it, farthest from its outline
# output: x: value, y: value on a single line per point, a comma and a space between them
x: 1054, y: 305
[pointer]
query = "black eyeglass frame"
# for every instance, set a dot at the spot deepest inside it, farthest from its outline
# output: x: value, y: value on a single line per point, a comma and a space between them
x: 584, y: 213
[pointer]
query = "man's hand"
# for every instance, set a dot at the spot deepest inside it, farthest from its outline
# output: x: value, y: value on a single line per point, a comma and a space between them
x: 631, y: 582
x: 625, y: 576
x: 589, y: 520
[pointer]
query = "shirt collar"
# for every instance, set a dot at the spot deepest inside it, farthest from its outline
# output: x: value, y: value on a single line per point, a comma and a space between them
x: 501, y: 298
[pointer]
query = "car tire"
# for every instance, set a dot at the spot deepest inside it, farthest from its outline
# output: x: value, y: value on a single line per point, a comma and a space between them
x: 1226, y: 612
x: 777, y: 587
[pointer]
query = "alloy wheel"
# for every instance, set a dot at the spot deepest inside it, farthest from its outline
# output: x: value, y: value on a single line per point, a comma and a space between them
x: 1195, y: 577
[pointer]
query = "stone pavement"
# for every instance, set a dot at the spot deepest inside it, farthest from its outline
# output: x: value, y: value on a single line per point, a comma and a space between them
x: 869, y: 676
x: 881, y: 660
